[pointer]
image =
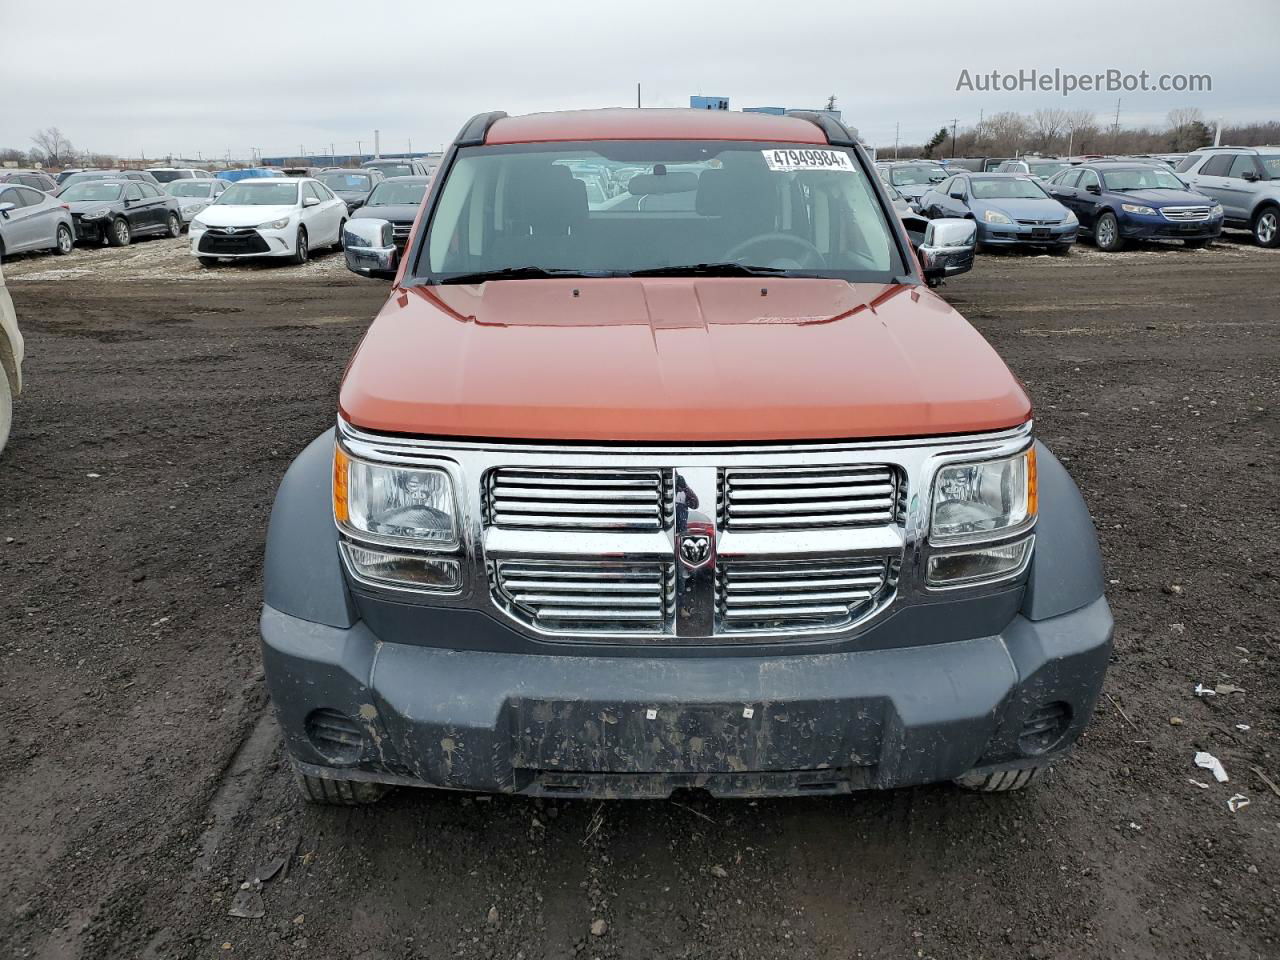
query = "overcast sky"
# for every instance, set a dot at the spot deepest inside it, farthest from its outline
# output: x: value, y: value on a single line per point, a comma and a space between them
x: 158, y: 78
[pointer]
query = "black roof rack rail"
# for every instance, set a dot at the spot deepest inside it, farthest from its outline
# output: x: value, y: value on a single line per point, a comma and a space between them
x: 477, y: 128
x: 837, y: 133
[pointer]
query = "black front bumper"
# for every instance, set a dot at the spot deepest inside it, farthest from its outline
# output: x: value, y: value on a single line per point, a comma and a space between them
x: 1145, y: 229
x: 352, y: 707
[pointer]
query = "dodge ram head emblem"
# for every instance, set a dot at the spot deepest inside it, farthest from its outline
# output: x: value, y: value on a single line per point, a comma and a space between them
x: 695, y: 551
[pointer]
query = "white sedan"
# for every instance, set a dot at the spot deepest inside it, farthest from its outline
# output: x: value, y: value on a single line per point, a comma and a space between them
x: 269, y: 217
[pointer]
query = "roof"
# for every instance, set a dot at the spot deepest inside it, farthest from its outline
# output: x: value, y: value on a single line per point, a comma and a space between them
x: 652, y: 124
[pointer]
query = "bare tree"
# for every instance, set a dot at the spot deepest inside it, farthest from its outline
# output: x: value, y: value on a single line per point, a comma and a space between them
x: 52, y: 145
x: 1006, y: 133
x: 1081, y: 128
x: 1185, y: 124
x: 1047, y: 125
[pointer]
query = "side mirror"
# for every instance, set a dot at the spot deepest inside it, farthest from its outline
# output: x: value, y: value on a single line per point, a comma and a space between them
x: 310, y: 202
x: 956, y: 194
x: 947, y: 249
x: 1249, y: 175
x: 5, y: 208
x: 370, y: 248
x: 1094, y: 189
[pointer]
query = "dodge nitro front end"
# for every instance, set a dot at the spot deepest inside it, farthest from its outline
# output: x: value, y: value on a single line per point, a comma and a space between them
x: 687, y: 480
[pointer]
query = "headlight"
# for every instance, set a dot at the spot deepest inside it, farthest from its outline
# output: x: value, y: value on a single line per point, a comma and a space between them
x: 1071, y: 218
x: 995, y: 216
x: 197, y: 226
x: 94, y: 214
x: 1137, y: 208
x: 1215, y: 210
x: 966, y: 567
x: 983, y: 500
x: 274, y: 224
x: 392, y: 504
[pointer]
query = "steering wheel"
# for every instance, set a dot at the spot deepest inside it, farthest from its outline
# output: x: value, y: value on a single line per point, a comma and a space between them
x: 810, y: 256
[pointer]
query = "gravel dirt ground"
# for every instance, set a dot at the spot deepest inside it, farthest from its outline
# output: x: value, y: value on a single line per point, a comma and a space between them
x: 143, y: 781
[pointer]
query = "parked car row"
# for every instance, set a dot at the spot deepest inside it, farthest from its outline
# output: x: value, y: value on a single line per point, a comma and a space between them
x: 1048, y: 202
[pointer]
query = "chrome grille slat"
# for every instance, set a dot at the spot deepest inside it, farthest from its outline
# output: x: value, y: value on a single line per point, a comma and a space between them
x: 753, y: 595
x: 792, y: 499
x: 1185, y: 214
x: 586, y: 499
x: 577, y: 594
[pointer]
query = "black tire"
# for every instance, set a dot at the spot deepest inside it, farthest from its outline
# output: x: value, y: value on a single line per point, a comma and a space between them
x: 1106, y: 233
x: 119, y: 234
x: 1001, y: 781
x: 339, y: 793
x: 64, y: 240
x: 1266, y: 226
x: 301, y: 252
x: 342, y: 229
x: 208, y: 261
x: 174, y: 226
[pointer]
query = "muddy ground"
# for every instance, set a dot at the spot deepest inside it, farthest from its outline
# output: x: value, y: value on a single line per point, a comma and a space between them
x: 141, y: 775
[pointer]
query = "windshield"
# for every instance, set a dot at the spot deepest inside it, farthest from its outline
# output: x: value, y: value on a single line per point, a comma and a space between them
x: 1142, y: 178
x: 1006, y: 188
x: 388, y: 193
x: 714, y: 207
x: 1271, y: 164
x: 354, y: 182
x: 165, y: 176
x: 92, y: 191
x: 395, y: 169
x: 921, y: 174
x: 250, y: 194
x: 87, y: 176
x: 1047, y: 170
x: 190, y: 188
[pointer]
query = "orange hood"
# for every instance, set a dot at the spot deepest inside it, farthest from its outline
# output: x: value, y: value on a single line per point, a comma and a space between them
x: 679, y: 360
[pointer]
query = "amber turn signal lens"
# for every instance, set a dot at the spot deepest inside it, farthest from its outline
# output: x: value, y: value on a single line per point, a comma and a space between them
x: 1033, y: 496
x: 341, y: 462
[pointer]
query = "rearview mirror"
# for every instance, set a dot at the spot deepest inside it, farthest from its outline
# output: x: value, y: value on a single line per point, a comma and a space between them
x: 5, y: 208
x: 310, y: 202
x: 370, y: 248
x: 1249, y: 175
x: 1094, y: 189
x: 947, y: 249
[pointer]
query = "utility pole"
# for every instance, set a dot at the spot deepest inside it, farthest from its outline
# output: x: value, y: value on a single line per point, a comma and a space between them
x: 1217, y: 136
x: 954, y: 121
x: 1115, y: 129
x: 896, y: 130
x: 360, y: 148
x: 377, y: 144
x: 411, y: 144
x: 637, y: 96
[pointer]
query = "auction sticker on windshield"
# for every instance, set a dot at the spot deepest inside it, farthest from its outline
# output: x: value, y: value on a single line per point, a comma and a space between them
x: 785, y: 161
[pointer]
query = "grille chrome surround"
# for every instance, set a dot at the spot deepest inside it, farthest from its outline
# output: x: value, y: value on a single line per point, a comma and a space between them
x: 805, y: 498
x: 1185, y: 214
x: 592, y: 499
x: 793, y: 595
x: 578, y: 595
x: 691, y: 615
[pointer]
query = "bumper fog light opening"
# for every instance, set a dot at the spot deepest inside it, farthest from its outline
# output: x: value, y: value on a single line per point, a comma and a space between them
x: 403, y: 571
x: 979, y: 564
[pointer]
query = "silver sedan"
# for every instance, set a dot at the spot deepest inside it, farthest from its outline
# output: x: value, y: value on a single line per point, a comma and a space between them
x: 31, y: 220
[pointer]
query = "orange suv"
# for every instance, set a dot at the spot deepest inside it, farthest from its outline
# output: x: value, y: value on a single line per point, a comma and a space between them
x: 662, y: 467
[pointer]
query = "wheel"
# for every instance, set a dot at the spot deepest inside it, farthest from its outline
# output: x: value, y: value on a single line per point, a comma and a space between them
x: 6, y: 409
x: 1266, y: 227
x: 119, y: 234
x: 64, y: 240
x: 339, y: 793
x: 208, y: 261
x: 300, y: 251
x: 1000, y: 781
x: 342, y: 229
x: 1106, y: 233
x: 175, y: 225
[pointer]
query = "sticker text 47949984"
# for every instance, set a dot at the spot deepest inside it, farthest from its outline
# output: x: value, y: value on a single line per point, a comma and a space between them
x: 787, y: 160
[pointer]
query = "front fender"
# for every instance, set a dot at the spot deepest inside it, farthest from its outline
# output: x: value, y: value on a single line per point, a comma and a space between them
x: 1066, y: 568
x: 302, y: 573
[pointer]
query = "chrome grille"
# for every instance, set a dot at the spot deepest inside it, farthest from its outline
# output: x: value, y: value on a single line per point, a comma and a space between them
x: 585, y: 595
x: 790, y: 594
x: 554, y: 499
x: 1183, y: 214
x: 1040, y: 223
x: 842, y: 496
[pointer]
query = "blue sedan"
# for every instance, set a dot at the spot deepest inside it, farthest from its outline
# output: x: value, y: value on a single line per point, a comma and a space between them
x: 1011, y: 210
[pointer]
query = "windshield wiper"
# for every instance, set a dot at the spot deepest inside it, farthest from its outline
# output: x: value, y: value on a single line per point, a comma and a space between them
x: 518, y: 273
x: 728, y: 268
